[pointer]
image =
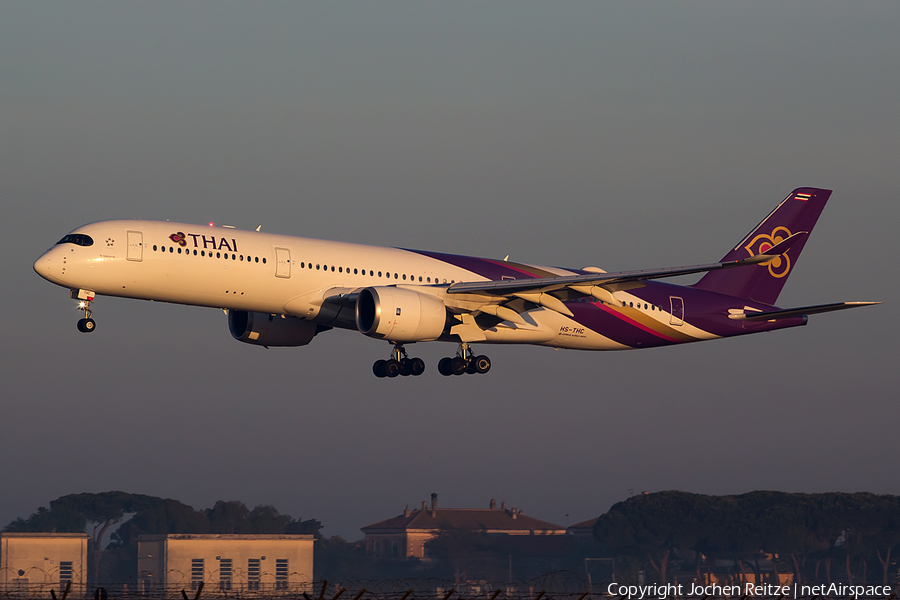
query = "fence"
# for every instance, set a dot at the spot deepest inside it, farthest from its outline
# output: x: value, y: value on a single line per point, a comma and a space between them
x: 554, y: 587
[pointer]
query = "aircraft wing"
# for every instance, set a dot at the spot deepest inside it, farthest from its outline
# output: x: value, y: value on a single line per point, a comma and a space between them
x: 802, y: 311
x: 583, y: 283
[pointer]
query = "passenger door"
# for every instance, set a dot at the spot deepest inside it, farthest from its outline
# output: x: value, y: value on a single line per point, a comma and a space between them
x: 282, y: 263
x: 135, y: 246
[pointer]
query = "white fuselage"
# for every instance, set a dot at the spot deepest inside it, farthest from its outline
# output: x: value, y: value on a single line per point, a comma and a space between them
x: 227, y: 268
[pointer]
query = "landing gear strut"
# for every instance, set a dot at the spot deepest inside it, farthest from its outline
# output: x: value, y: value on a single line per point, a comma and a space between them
x: 87, y: 324
x: 398, y: 364
x: 464, y: 362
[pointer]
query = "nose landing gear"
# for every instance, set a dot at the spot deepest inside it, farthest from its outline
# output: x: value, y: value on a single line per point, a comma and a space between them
x: 464, y: 362
x: 398, y: 364
x: 87, y: 324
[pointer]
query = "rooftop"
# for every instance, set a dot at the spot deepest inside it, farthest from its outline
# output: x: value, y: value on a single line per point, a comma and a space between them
x: 474, y: 519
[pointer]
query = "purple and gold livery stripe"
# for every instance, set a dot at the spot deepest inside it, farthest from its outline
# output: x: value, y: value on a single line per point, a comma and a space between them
x: 627, y: 326
x: 490, y: 268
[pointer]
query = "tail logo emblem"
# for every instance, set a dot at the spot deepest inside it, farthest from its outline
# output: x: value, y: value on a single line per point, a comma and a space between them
x: 778, y: 266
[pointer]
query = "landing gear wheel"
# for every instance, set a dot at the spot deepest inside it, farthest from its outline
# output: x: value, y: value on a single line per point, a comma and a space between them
x: 416, y: 366
x: 86, y: 325
x: 482, y: 364
x: 444, y: 366
x: 378, y: 369
x: 458, y: 365
x: 470, y: 366
x: 392, y: 368
x: 405, y: 369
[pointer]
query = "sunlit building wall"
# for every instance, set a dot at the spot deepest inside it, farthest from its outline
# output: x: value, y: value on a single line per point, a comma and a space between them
x: 39, y: 562
x: 226, y: 563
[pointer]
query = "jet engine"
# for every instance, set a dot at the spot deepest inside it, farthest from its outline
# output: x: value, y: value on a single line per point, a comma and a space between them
x: 399, y: 315
x: 263, y: 329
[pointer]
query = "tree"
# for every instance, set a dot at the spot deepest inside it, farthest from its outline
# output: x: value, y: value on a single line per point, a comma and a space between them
x: 148, y: 515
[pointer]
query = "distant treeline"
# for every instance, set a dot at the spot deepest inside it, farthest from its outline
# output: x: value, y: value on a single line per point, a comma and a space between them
x: 148, y: 515
x: 817, y: 537
x: 831, y: 537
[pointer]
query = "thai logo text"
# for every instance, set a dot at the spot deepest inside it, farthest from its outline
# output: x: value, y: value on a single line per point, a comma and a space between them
x: 204, y: 241
x: 778, y: 266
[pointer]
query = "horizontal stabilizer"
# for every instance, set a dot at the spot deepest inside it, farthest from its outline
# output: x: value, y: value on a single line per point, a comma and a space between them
x: 798, y: 312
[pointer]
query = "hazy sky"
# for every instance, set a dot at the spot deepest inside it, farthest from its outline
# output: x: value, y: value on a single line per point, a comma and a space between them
x: 623, y: 135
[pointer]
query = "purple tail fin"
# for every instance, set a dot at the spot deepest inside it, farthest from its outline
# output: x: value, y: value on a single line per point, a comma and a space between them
x: 763, y: 282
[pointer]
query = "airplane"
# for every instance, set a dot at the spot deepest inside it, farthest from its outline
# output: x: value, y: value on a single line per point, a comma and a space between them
x: 278, y: 290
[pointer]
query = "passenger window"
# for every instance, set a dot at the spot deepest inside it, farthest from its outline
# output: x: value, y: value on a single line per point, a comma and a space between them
x: 264, y: 261
x: 154, y: 247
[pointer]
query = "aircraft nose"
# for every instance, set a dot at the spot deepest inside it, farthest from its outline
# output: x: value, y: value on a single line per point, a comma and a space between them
x: 43, y: 266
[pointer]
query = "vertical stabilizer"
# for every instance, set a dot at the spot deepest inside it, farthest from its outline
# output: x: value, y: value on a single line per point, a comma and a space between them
x: 763, y: 282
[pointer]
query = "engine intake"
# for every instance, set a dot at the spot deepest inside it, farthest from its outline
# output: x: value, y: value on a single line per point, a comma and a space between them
x: 399, y: 315
x: 263, y: 329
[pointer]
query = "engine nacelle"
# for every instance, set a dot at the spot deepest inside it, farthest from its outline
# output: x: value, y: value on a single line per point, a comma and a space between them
x: 399, y: 315
x: 263, y: 329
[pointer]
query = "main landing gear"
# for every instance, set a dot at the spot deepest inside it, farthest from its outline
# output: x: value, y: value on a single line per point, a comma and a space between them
x: 398, y: 364
x: 464, y: 362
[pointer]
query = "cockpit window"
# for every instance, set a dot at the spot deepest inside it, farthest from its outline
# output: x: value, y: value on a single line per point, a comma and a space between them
x: 79, y: 239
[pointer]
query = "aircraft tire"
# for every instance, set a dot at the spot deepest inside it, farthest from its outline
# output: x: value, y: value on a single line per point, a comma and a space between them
x: 416, y: 366
x: 405, y: 369
x: 86, y: 325
x: 444, y: 366
x: 391, y: 368
x: 458, y: 365
x: 470, y: 366
x: 378, y: 368
x: 482, y: 364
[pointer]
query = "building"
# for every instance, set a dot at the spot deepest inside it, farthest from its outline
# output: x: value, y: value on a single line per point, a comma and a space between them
x: 405, y: 535
x: 584, y: 529
x: 243, y: 563
x: 38, y: 562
